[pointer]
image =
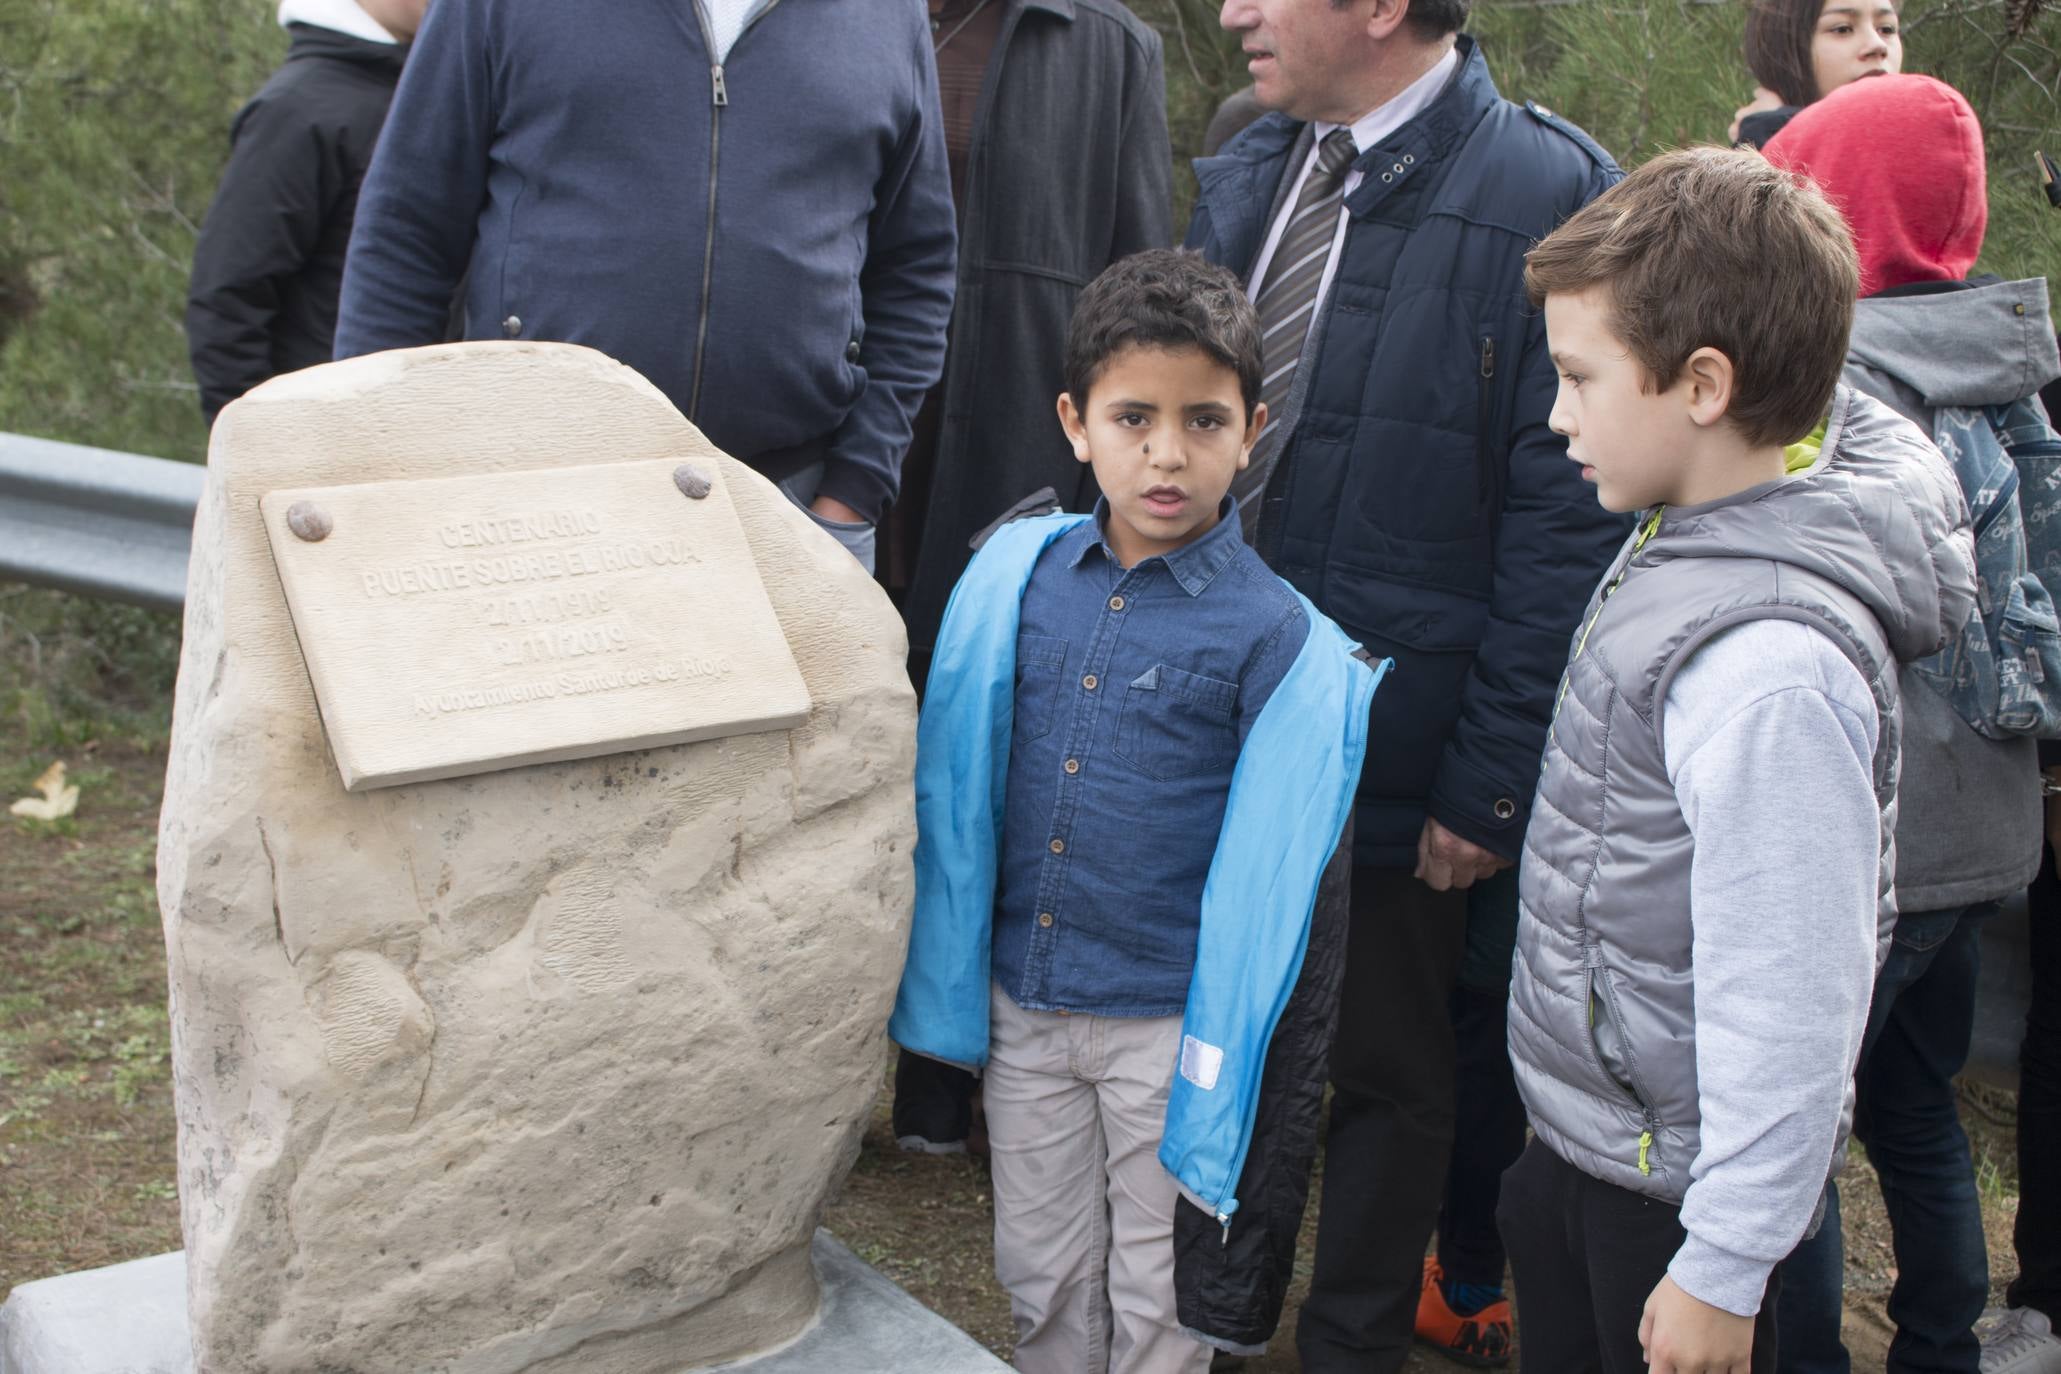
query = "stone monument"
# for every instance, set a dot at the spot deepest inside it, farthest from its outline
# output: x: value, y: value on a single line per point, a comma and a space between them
x: 535, y: 867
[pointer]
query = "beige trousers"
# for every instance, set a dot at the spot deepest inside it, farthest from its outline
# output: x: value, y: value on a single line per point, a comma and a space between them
x: 1084, y: 1214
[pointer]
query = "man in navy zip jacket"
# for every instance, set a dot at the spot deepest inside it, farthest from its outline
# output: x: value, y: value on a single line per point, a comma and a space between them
x: 1407, y: 484
x: 745, y: 200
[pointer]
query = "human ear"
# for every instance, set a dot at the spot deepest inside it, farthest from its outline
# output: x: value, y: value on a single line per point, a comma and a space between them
x: 1708, y: 380
x: 1076, y: 430
x: 1386, y: 17
x: 1253, y: 427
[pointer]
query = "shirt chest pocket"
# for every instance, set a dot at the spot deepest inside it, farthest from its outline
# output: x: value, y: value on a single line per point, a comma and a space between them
x: 1178, y: 725
x: 1039, y: 661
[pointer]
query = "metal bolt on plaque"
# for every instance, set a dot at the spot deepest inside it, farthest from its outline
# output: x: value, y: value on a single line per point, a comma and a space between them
x: 309, y: 521
x: 693, y: 481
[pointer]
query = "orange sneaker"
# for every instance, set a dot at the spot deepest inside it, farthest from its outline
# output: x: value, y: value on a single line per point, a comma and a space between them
x: 1481, y: 1339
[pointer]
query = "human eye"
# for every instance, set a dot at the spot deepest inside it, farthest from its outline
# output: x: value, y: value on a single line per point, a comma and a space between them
x: 1208, y: 422
x: 1573, y: 379
x: 1130, y: 419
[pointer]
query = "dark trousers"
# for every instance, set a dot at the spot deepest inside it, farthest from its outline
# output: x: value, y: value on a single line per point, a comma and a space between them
x: 1905, y: 1112
x: 1489, y: 1125
x: 2037, y: 1234
x: 1391, y: 1123
x: 1586, y: 1255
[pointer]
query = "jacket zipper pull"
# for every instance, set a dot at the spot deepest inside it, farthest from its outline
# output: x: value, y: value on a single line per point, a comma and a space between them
x: 1484, y: 406
x: 1645, y: 1144
x: 722, y: 91
x: 1224, y: 1220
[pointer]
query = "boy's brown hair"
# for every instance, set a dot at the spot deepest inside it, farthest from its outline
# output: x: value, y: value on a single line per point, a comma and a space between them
x: 1711, y: 247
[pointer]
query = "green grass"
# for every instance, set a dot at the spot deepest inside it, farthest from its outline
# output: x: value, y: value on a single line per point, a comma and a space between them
x: 74, y: 670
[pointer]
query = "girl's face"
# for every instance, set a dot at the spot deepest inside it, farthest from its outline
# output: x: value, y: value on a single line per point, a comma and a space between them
x: 1855, y: 38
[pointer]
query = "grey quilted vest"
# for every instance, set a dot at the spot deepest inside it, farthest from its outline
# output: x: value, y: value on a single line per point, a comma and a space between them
x: 1870, y: 545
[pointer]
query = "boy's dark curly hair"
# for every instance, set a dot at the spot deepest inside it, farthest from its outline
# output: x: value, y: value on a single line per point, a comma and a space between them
x: 1163, y: 298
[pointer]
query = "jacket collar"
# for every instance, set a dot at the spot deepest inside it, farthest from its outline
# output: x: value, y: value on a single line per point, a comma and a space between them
x: 1431, y: 137
x: 312, y: 40
x: 1062, y: 9
x: 1450, y: 118
x: 1237, y: 185
x: 1194, y: 566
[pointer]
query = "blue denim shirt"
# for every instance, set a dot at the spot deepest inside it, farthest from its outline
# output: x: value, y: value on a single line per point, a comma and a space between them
x: 1135, y: 689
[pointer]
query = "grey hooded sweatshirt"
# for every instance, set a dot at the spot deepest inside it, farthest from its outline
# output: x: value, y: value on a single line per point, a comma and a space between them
x: 1706, y: 883
x: 1969, y: 827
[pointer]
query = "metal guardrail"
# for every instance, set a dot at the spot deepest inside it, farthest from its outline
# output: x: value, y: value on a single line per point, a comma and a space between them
x: 116, y: 526
x: 119, y: 527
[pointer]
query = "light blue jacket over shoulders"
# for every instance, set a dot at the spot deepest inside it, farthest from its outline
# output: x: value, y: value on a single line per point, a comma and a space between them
x: 1291, y: 793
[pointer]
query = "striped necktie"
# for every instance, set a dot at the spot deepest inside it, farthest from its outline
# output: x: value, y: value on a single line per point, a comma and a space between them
x: 1285, y: 302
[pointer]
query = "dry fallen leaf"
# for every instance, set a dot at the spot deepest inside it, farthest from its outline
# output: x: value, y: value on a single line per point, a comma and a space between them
x: 57, y: 801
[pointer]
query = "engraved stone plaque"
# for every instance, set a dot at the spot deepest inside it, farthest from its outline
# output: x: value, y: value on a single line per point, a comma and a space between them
x: 466, y: 624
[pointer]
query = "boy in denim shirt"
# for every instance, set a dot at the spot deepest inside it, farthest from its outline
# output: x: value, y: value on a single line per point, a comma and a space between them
x: 1147, y: 644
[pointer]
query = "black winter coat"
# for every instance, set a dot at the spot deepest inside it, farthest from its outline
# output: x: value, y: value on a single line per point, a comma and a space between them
x: 1070, y: 169
x: 269, y: 263
x: 1757, y: 128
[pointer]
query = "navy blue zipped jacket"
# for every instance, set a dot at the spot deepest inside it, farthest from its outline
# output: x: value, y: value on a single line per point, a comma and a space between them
x: 1420, y: 500
x: 770, y: 241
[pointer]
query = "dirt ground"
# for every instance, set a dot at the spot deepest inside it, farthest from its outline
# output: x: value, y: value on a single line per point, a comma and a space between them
x: 86, y: 1135
x: 86, y: 1132
x: 925, y: 1221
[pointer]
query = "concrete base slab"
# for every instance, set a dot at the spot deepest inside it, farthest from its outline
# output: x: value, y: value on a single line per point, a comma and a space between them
x: 124, y: 1319
x: 131, y: 1319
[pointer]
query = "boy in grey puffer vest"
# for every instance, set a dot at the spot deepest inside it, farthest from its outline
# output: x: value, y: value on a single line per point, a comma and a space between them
x: 1707, y: 879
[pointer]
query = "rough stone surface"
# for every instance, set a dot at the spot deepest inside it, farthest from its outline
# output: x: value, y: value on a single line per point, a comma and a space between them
x: 131, y: 1319
x: 540, y: 1070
